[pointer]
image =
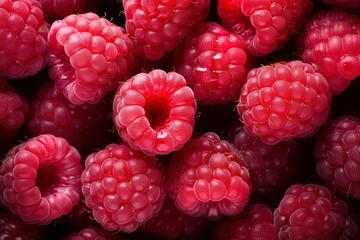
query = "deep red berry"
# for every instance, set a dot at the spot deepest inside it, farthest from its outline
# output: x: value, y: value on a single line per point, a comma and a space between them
x: 88, y: 56
x: 348, y: 5
x: 283, y: 101
x: 123, y: 187
x: 171, y: 223
x: 12, y: 227
x: 337, y: 152
x: 207, y: 177
x: 86, y: 126
x: 13, y: 112
x: 54, y: 9
x: 310, y: 211
x: 272, y: 168
x: 155, y: 112
x: 158, y: 27
x: 23, y: 37
x: 39, y: 179
x: 330, y: 42
x: 266, y: 25
x: 214, y: 63
x: 254, y: 223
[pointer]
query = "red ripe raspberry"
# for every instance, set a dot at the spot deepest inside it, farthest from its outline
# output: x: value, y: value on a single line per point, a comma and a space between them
x: 39, y: 179
x: 272, y: 168
x: 159, y: 26
x: 214, y: 63
x: 54, y: 9
x: 155, y: 112
x: 207, y: 177
x: 123, y: 187
x: 255, y: 222
x: 337, y: 152
x: 283, y: 101
x: 23, y: 36
x: 171, y: 223
x: 87, y: 56
x: 93, y: 233
x: 13, y: 112
x: 12, y: 227
x: 80, y: 125
x: 266, y: 25
x: 310, y: 211
x: 330, y: 43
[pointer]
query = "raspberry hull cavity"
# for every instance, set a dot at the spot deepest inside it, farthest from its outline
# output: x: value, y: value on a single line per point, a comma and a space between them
x: 155, y: 112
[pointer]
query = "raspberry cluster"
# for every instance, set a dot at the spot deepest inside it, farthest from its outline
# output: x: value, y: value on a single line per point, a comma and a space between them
x: 179, y: 119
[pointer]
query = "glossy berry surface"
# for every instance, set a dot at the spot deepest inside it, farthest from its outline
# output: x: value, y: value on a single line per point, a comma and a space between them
x: 23, y: 34
x: 330, y: 43
x: 266, y: 25
x: 311, y: 211
x: 87, y: 56
x: 336, y: 152
x: 214, y: 63
x: 284, y: 101
x: 39, y: 179
x: 208, y: 178
x: 123, y: 187
x: 155, y: 112
x: 158, y: 27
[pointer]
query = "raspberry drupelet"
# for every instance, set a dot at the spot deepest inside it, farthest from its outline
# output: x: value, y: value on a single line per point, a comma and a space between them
x: 254, y: 223
x: 266, y: 25
x: 158, y: 27
x: 330, y: 42
x: 272, y: 168
x: 13, y: 112
x: 23, y: 37
x: 39, y: 179
x: 155, y: 112
x: 337, y: 152
x: 93, y: 233
x: 123, y: 187
x: 208, y: 178
x: 311, y: 211
x: 283, y: 101
x: 88, y: 56
x: 86, y: 126
x: 214, y: 63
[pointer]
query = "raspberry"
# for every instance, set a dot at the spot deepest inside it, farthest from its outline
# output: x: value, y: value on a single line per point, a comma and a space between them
x: 93, y: 233
x: 123, y: 187
x: 39, y: 179
x: 266, y: 25
x: 12, y: 227
x: 171, y: 223
x: 54, y: 10
x: 254, y: 223
x: 283, y: 101
x: 159, y: 26
x: 310, y: 211
x: 207, y: 177
x: 155, y: 112
x: 330, y: 43
x: 272, y: 168
x: 80, y: 125
x: 87, y: 56
x: 13, y: 112
x: 214, y: 63
x: 23, y: 36
x: 337, y: 153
